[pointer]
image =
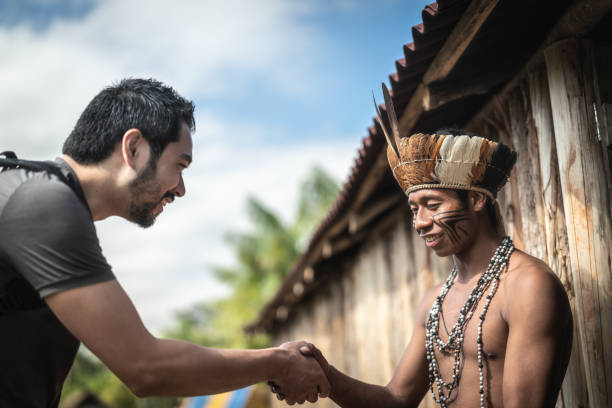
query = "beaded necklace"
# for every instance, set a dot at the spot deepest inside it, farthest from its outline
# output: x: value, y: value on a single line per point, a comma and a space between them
x: 454, y: 344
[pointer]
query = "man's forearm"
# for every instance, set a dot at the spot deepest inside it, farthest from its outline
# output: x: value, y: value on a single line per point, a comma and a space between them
x: 180, y: 368
x: 113, y: 331
x: 349, y: 392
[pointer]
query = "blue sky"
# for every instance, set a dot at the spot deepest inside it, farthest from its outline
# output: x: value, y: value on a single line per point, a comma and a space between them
x: 279, y: 86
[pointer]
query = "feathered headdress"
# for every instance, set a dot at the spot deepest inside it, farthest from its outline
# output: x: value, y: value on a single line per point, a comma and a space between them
x: 444, y: 160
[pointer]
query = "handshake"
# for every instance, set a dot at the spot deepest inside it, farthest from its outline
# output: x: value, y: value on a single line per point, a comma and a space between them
x: 306, y: 376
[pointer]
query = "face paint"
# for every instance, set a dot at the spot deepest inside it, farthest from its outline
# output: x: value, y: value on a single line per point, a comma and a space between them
x: 448, y: 222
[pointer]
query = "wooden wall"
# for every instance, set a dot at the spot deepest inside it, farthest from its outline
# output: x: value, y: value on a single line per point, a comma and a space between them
x: 556, y: 207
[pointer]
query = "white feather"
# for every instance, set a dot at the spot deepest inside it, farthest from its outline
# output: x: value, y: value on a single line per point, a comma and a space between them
x: 457, y: 156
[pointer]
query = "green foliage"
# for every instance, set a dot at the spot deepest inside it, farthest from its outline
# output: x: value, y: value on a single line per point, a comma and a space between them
x: 317, y: 193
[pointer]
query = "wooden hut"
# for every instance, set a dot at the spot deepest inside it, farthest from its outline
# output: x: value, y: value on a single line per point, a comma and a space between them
x: 535, y: 75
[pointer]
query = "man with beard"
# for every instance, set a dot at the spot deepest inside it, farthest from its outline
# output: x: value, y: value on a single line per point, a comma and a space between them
x: 124, y: 157
x: 498, y: 331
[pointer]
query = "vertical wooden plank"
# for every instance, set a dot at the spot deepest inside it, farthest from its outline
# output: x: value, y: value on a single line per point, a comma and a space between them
x: 350, y: 337
x: 337, y: 334
x: 414, y: 270
x: 384, y: 295
x: 498, y: 127
x: 525, y: 142
x: 402, y: 266
x: 586, y: 212
x: 365, y: 288
x: 574, y: 392
x: 321, y: 314
x: 542, y: 119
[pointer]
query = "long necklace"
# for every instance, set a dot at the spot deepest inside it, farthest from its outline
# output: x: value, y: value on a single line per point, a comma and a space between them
x: 454, y: 343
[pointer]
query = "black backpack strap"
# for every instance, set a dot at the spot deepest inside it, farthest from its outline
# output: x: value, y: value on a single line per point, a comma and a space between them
x: 12, y: 162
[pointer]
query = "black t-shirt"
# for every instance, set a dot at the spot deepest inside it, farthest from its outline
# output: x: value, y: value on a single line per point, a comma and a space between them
x: 48, y: 243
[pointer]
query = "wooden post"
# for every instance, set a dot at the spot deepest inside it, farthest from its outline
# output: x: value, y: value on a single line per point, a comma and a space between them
x: 587, y: 218
x: 542, y: 119
x: 574, y: 391
x: 529, y: 199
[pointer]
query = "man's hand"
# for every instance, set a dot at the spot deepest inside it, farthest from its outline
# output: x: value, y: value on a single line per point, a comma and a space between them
x: 310, y: 350
x: 304, y: 379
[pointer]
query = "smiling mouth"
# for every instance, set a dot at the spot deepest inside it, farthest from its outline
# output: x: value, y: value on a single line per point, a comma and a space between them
x: 162, y: 204
x: 167, y: 200
x: 432, y: 238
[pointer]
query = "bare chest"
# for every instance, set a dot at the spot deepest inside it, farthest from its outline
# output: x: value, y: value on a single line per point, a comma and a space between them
x: 494, y: 339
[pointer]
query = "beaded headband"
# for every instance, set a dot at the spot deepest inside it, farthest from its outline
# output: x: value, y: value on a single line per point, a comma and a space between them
x: 438, y: 160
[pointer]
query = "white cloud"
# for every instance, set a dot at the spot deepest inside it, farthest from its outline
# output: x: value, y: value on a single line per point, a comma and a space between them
x: 202, y: 49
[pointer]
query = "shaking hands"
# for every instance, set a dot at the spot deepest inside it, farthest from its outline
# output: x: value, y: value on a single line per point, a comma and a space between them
x: 305, y: 378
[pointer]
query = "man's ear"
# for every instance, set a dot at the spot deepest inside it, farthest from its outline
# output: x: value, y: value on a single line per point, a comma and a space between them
x: 131, y: 146
x: 477, y: 200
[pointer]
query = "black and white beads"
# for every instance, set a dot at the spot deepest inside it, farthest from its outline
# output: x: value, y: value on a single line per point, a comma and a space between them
x: 454, y: 343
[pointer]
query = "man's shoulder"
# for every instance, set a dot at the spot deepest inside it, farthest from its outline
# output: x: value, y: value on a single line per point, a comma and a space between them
x: 41, y: 190
x: 43, y: 206
x: 526, y: 270
x: 531, y: 284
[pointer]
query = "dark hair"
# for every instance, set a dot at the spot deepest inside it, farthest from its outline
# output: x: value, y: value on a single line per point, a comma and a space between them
x: 144, y: 104
x: 463, y: 197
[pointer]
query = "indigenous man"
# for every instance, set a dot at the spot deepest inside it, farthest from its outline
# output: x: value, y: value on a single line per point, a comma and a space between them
x: 125, y: 157
x: 497, y: 332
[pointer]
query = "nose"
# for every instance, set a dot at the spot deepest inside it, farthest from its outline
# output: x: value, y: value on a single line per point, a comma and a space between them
x: 422, y: 221
x: 180, y: 188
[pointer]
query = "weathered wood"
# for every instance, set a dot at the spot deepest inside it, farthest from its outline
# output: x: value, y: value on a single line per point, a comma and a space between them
x: 384, y: 282
x: 402, y: 318
x: 361, y: 217
x: 446, y: 59
x: 349, y: 305
x: 440, y: 94
x: 542, y: 119
x: 342, y: 244
x: 375, y: 174
x: 509, y: 197
x: 577, y: 21
x: 587, y: 219
x: 413, y: 110
x: 525, y: 142
x: 472, y: 20
x: 603, y: 66
x: 581, y: 17
x: 574, y: 391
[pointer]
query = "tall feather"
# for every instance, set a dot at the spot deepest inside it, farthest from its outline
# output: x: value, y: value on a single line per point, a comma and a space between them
x: 391, y: 115
x: 457, y: 156
x: 390, y: 141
